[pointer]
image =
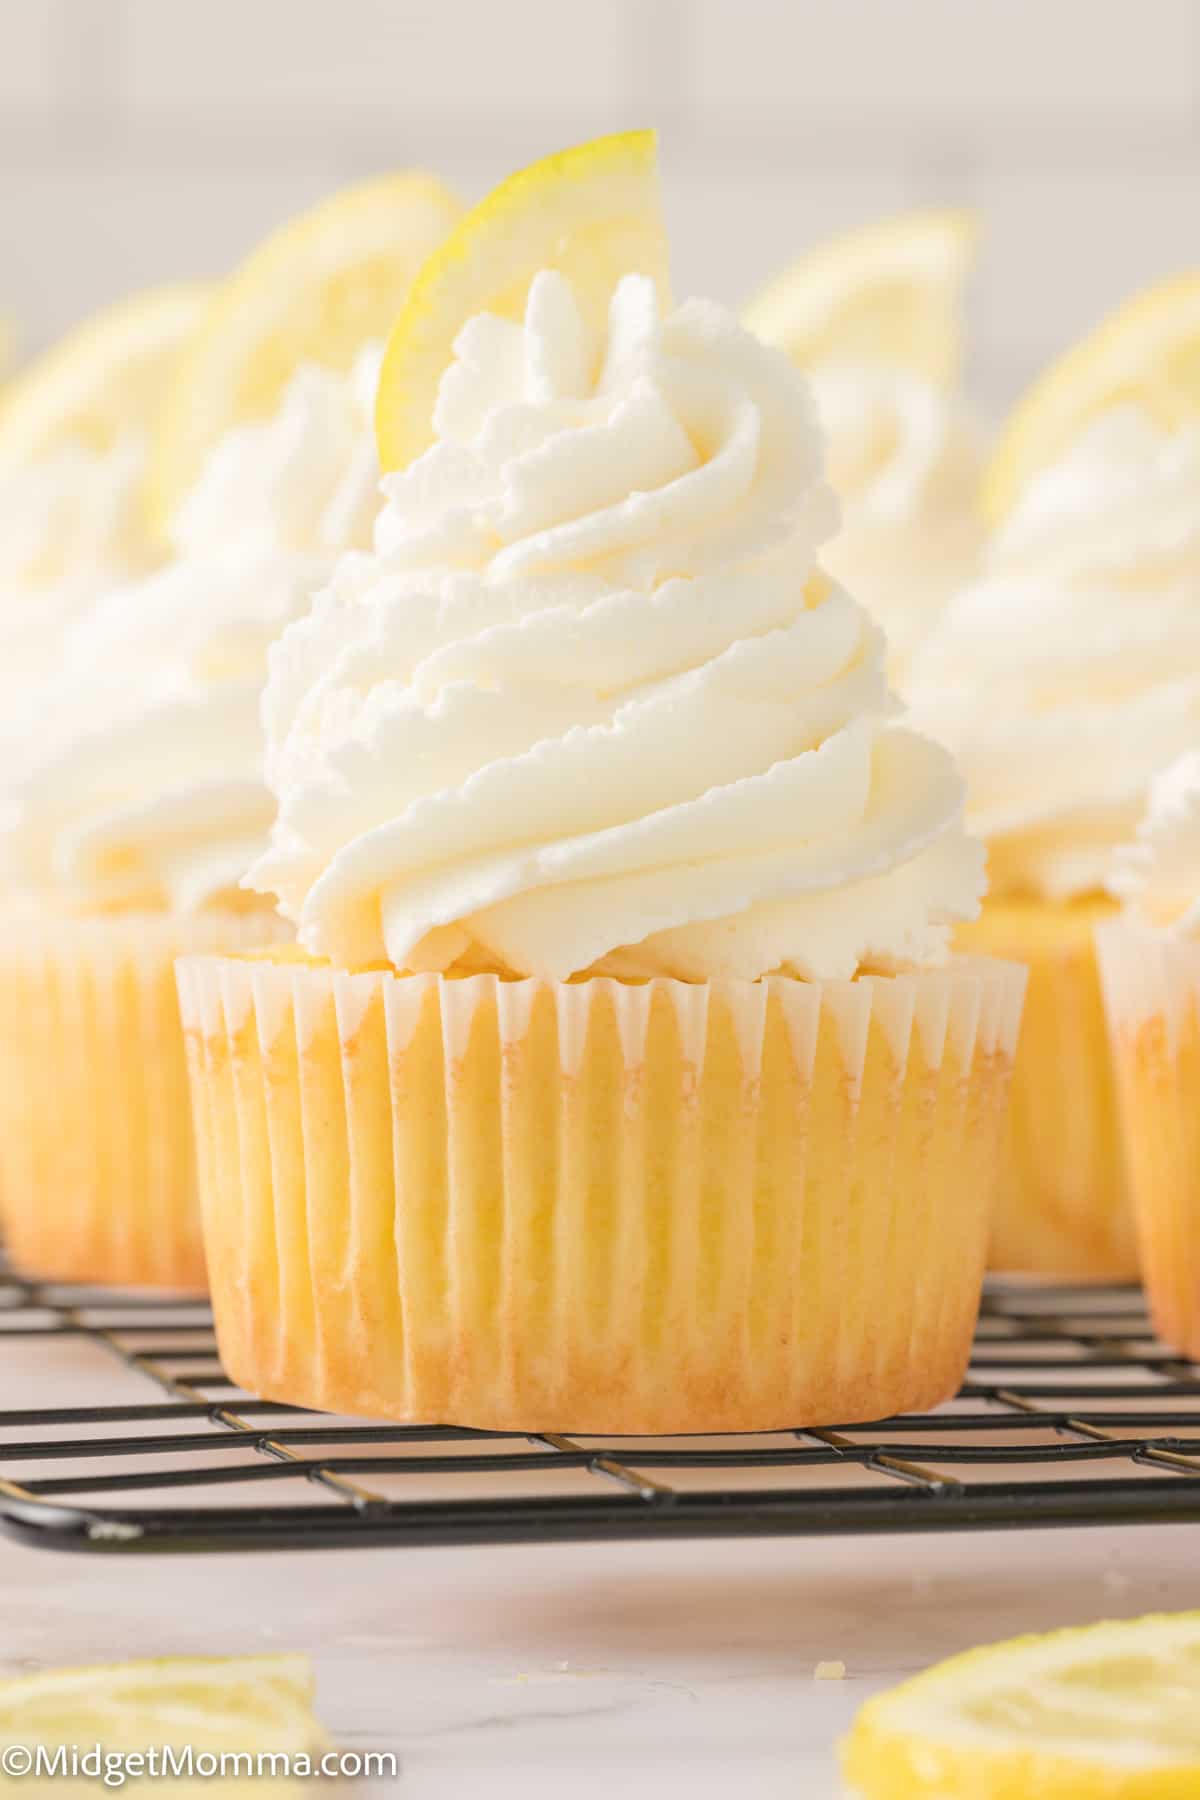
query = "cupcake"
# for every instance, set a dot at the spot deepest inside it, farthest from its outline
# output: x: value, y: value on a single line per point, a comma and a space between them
x: 1062, y: 679
x: 134, y: 803
x: 875, y: 321
x: 1150, y: 969
x: 132, y: 799
x: 618, y: 1080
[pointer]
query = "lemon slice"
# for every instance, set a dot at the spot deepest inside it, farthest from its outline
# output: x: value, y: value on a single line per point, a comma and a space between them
x: 254, y: 1704
x: 316, y: 290
x: 593, y: 212
x: 103, y: 379
x: 1104, y: 1712
x: 890, y: 293
x: 1147, y: 353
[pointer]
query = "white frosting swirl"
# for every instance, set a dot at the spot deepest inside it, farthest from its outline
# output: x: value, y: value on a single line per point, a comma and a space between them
x: 70, y: 528
x: 305, y: 481
x: 905, y: 459
x: 589, y: 707
x: 140, y: 778
x: 1158, y: 875
x: 1070, y: 671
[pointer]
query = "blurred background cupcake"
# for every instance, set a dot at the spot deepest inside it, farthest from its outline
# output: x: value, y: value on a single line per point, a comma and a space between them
x: 134, y: 797
x: 1063, y: 678
x: 619, y: 1081
x: 875, y: 319
x: 1150, y: 965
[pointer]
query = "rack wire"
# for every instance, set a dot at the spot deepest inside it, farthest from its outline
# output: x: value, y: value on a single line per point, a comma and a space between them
x: 1072, y: 1414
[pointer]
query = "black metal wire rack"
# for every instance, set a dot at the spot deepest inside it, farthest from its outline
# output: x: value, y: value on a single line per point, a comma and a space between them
x: 1071, y: 1415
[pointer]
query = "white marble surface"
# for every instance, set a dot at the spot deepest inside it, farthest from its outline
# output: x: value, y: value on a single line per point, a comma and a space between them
x: 597, y: 1670
x: 571, y: 1672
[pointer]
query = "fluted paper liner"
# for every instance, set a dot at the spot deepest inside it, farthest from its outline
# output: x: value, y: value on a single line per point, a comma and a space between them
x: 1062, y: 1206
x: 597, y: 1206
x: 1152, y: 995
x: 97, y: 1176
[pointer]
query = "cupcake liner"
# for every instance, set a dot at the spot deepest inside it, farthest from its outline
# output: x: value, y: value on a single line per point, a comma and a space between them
x: 1062, y: 1209
x: 1152, y: 996
x: 597, y: 1206
x: 97, y: 1179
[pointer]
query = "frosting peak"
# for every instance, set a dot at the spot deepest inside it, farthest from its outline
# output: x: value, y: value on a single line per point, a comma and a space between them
x: 590, y: 706
x: 1159, y: 873
x: 305, y: 481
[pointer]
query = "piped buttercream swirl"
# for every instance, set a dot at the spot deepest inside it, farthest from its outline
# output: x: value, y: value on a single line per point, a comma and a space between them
x: 139, y: 780
x: 590, y: 705
x: 70, y: 529
x: 1069, y: 673
x: 905, y: 459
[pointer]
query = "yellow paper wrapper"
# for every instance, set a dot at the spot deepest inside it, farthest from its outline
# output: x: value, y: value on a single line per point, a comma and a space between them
x: 1062, y: 1209
x: 97, y: 1175
x: 1152, y: 994
x: 597, y: 1206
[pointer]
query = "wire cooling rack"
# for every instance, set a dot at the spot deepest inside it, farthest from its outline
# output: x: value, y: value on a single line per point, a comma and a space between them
x: 129, y: 1437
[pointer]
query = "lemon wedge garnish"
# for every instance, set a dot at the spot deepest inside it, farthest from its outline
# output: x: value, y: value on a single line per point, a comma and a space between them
x: 1145, y: 354
x: 1102, y: 1712
x: 890, y: 293
x: 593, y: 213
x: 102, y: 381
x: 210, y: 1704
x: 316, y: 290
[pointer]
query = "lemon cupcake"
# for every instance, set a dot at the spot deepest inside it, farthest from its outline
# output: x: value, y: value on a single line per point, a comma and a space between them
x: 619, y: 1081
x: 875, y: 319
x: 1062, y: 679
x: 134, y: 806
x: 1150, y: 966
x: 134, y: 797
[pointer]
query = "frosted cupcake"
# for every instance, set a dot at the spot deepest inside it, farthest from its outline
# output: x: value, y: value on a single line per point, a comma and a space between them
x: 619, y: 1082
x: 132, y: 798
x: 1062, y: 680
x: 134, y: 803
x: 875, y: 319
x: 1150, y: 967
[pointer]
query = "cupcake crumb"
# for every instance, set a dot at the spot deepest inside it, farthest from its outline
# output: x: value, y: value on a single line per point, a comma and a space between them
x: 830, y: 1671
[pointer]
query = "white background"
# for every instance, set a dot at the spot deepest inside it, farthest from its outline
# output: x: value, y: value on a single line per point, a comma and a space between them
x: 146, y: 138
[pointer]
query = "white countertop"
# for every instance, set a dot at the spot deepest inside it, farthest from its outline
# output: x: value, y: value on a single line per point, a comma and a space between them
x: 596, y: 1670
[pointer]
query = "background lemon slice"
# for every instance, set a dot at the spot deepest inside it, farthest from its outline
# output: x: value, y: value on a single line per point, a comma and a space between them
x: 235, y: 1703
x: 1104, y: 1712
x: 102, y: 380
x: 593, y: 212
x: 316, y: 290
x: 890, y: 293
x: 1147, y: 353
